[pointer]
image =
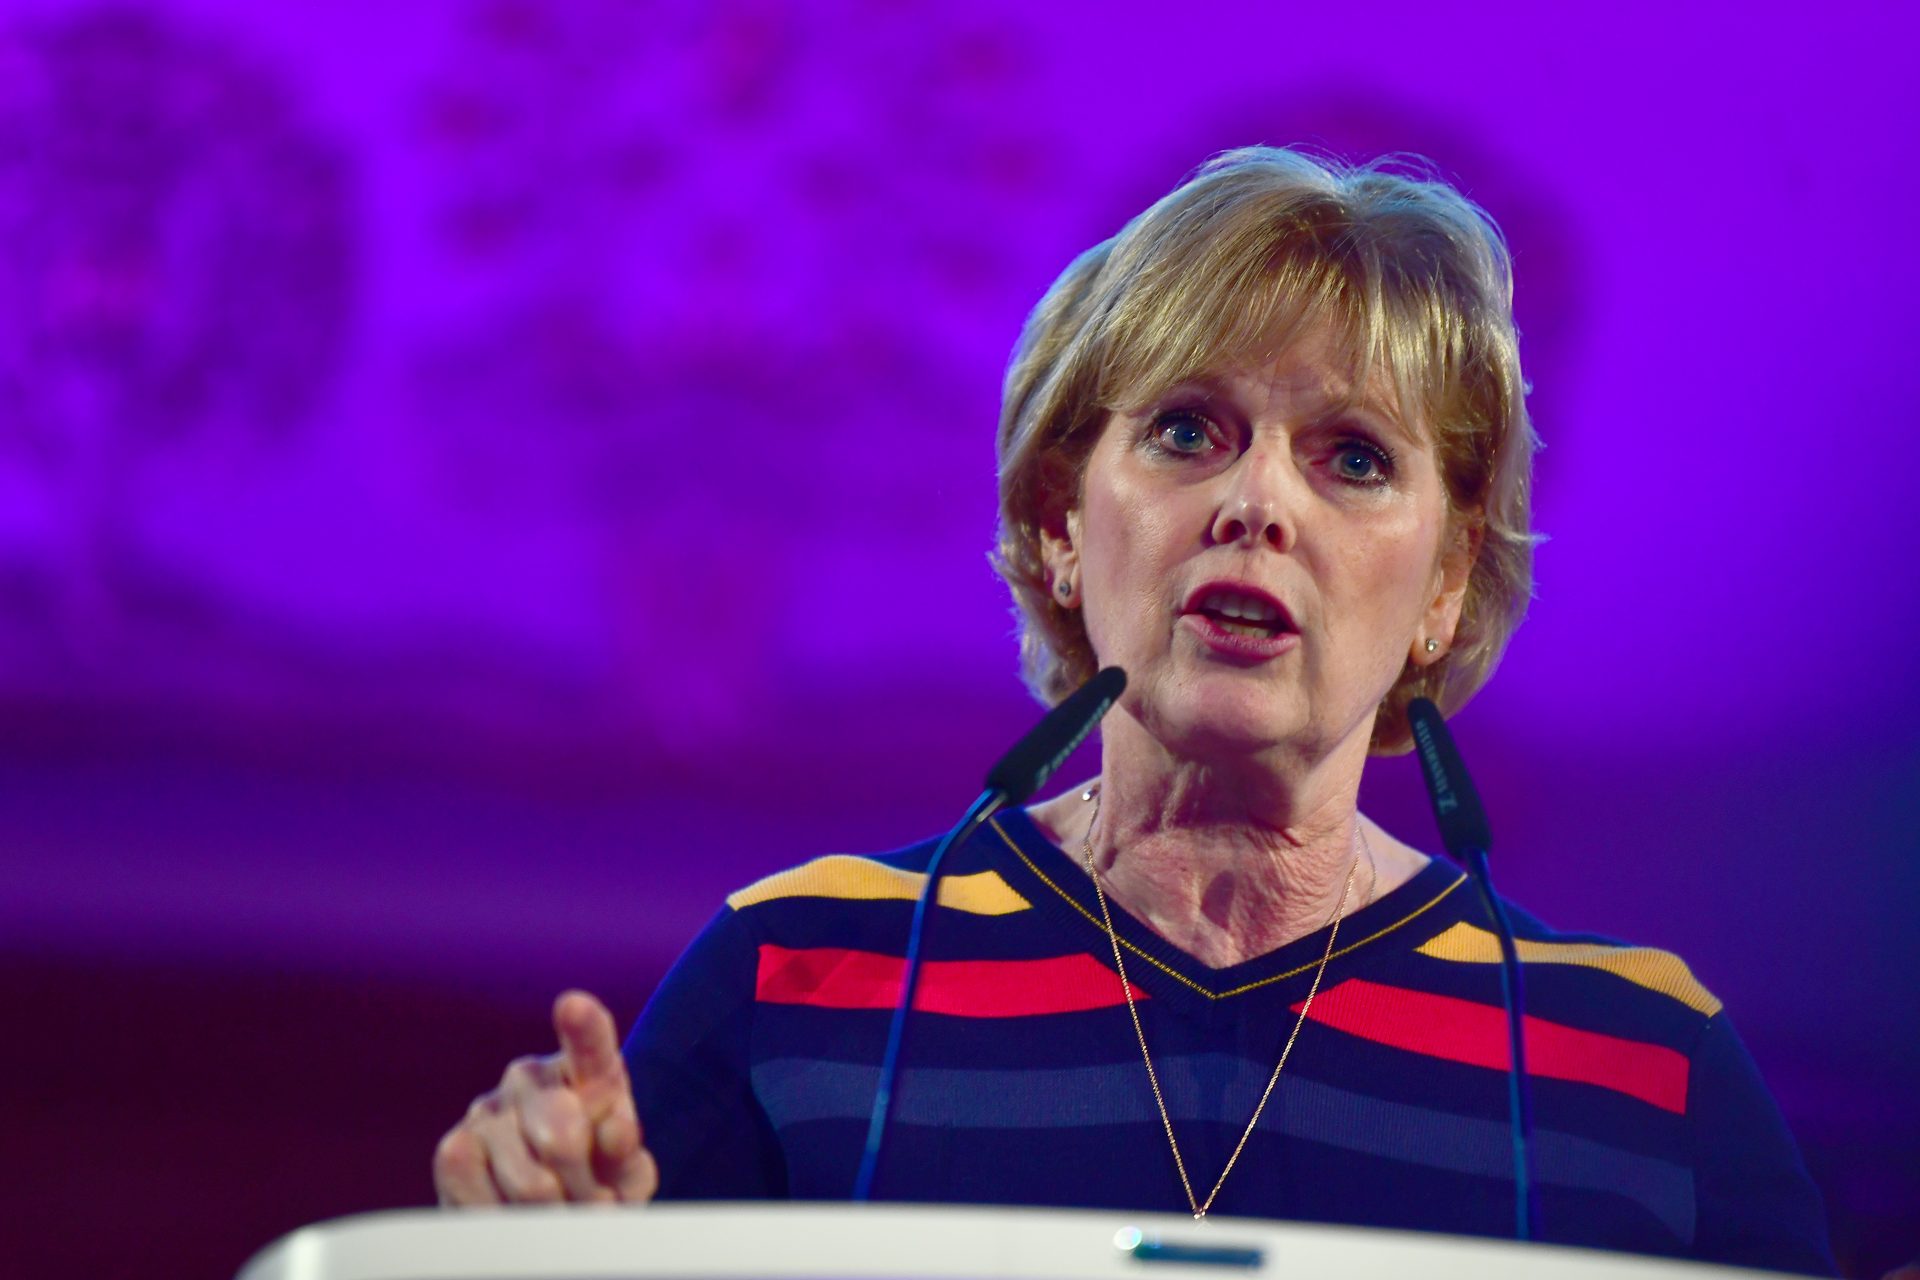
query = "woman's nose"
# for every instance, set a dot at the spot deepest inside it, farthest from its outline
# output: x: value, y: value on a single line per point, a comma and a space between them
x: 1260, y: 500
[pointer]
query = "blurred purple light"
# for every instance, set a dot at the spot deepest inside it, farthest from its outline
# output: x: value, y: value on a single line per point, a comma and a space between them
x: 480, y: 480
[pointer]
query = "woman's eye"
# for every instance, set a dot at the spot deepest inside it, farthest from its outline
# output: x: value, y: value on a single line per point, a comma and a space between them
x: 1364, y: 464
x: 1182, y: 432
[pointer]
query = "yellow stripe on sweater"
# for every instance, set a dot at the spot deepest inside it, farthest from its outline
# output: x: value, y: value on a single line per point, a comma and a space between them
x: 1660, y: 971
x: 844, y: 876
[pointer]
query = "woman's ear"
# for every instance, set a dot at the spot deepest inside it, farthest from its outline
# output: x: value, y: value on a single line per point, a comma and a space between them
x: 1060, y: 552
x: 1450, y: 578
x: 1060, y: 532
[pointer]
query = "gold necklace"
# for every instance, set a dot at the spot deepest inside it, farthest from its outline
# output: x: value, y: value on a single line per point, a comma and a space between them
x: 1153, y: 1078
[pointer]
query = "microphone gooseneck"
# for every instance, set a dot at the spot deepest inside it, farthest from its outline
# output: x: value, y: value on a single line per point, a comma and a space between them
x: 1012, y: 781
x: 1467, y: 836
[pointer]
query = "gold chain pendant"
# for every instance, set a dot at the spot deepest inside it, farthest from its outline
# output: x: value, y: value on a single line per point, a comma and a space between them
x: 1153, y: 1077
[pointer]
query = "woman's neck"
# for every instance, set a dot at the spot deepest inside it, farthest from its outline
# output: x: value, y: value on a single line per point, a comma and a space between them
x: 1227, y: 864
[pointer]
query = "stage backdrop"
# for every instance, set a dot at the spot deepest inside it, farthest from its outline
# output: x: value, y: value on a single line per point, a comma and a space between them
x: 481, y: 479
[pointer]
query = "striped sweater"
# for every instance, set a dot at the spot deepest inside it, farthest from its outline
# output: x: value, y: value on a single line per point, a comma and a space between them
x: 754, y: 1064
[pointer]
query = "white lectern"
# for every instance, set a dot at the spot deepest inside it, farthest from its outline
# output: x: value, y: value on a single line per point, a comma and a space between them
x: 903, y: 1242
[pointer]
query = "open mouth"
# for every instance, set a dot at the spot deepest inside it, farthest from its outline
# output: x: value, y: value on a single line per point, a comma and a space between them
x: 1242, y: 613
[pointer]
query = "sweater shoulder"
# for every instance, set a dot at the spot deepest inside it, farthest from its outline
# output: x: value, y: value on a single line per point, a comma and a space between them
x: 846, y: 886
x: 1594, y: 962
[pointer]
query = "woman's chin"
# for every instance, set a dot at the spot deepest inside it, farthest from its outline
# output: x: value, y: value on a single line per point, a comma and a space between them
x: 1230, y: 732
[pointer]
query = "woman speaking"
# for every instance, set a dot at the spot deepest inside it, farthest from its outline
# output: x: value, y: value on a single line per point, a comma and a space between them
x: 1267, y: 450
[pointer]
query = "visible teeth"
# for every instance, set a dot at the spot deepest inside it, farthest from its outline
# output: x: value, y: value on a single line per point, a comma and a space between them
x: 1234, y: 605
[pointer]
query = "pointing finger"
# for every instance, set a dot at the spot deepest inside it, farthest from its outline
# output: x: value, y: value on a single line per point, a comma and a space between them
x: 588, y: 1042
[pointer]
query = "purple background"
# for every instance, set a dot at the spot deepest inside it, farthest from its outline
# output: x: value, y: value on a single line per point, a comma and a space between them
x: 481, y: 479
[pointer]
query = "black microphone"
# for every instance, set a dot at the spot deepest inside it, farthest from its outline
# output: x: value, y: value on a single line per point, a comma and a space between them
x: 1467, y: 836
x: 1023, y: 770
x: 1456, y: 805
x: 1011, y: 781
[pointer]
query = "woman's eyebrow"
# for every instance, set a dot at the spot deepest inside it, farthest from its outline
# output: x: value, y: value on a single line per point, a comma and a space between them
x: 1377, y: 405
x: 1387, y: 417
x: 1205, y: 386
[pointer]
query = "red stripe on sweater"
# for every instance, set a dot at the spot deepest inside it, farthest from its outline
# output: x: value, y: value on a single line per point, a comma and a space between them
x: 1466, y: 1031
x: 836, y: 978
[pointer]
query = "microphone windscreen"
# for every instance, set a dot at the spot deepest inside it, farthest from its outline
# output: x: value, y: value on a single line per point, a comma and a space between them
x: 1023, y: 770
x: 1456, y: 805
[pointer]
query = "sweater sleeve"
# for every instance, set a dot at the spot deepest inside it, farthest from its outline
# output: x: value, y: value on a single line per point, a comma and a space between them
x: 1756, y: 1205
x: 689, y: 1058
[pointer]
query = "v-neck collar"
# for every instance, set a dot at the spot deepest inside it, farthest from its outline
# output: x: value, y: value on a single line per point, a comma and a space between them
x: 1050, y: 878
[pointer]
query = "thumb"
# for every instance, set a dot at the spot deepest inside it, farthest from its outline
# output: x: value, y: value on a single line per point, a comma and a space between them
x: 589, y: 1045
x: 620, y: 1161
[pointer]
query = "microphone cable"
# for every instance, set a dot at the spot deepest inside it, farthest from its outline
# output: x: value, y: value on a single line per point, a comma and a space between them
x: 1465, y: 832
x: 1011, y: 781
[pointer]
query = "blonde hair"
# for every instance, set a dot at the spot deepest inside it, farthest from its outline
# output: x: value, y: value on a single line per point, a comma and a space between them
x: 1222, y: 270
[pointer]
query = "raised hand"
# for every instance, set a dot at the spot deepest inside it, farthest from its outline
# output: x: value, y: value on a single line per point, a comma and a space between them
x: 558, y: 1128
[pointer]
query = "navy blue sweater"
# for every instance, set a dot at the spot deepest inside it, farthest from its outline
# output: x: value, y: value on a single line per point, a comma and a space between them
x: 754, y: 1065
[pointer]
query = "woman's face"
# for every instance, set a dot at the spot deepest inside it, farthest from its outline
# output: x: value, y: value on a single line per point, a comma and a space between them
x: 1262, y: 558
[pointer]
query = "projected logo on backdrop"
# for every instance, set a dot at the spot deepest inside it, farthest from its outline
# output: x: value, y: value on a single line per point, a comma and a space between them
x: 739, y: 288
x: 174, y: 284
